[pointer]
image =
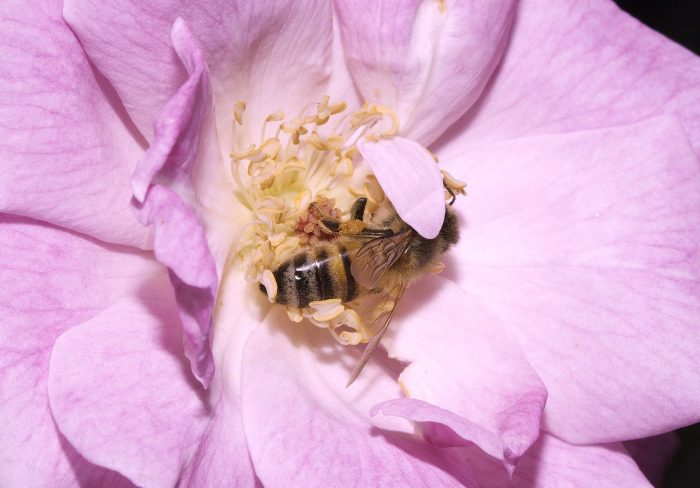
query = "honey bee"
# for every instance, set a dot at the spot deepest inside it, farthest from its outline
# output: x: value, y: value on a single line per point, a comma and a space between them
x: 381, y: 255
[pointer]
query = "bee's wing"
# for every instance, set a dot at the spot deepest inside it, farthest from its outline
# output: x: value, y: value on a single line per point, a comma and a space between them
x: 372, y: 260
x: 374, y: 342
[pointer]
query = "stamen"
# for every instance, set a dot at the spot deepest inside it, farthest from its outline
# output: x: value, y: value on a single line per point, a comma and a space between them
x: 270, y: 284
x: 238, y: 109
x: 294, y: 314
x: 326, y: 310
x: 453, y: 183
x: 291, y: 182
x: 296, y: 129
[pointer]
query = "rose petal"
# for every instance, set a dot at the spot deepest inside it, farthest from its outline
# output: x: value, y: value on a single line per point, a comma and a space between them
x: 409, y: 176
x: 180, y: 148
x: 653, y: 455
x: 173, y: 153
x: 470, y: 370
x: 280, y: 59
x: 272, y: 54
x: 305, y: 429
x: 181, y: 245
x: 224, y: 440
x: 341, y: 86
x: 66, y: 151
x: 429, y: 61
x: 552, y: 463
x: 52, y: 281
x: 185, y: 154
x: 120, y: 393
x: 594, y: 66
x: 587, y: 245
x: 222, y: 458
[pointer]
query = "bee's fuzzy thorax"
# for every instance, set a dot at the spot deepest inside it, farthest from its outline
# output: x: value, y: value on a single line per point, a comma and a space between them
x: 423, y: 255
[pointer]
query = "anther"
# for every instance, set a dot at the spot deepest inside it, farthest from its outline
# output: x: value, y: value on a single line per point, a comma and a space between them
x: 269, y: 283
x: 238, y: 109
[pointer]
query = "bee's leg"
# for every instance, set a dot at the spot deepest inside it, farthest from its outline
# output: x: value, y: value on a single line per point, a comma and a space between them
x: 330, y: 226
x: 452, y: 193
x: 357, y: 211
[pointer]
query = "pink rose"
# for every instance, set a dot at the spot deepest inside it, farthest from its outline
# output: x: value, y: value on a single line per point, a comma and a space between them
x: 135, y: 347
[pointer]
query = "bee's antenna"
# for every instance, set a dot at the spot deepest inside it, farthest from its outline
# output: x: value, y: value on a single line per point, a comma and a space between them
x: 452, y: 193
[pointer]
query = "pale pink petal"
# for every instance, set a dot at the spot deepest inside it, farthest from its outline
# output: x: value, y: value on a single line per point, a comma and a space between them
x: 221, y: 458
x: 593, y: 66
x: 653, y: 455
x: 179, y: 162
x: 132, y: 50
x: 465, y: 372
x: 222, y: 454
x: 587, y: 245
x: 341, y: 85
x: 185, y: 154
x: 553, y: 463
x: 304, y: 428
x: 67, y: 151
x: 410, y: 177
x: 173, y: 153
x: 429, y: 61
x: 181, y: 245
x: 120, y: 393
x: 52, y: 280
x: 273, y: 54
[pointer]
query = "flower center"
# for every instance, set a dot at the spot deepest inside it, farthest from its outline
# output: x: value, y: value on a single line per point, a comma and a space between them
x: 297, y: 181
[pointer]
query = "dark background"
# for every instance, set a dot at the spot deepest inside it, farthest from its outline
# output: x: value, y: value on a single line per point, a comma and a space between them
x: 680, y: 21
x: 677, y: 19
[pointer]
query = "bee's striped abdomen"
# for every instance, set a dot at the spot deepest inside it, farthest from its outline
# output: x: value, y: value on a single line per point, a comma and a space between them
x: 351, y: 286
x: 318, y: 274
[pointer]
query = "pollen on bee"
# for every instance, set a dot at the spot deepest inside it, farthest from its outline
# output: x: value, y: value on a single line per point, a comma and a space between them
x: 310, y: 225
